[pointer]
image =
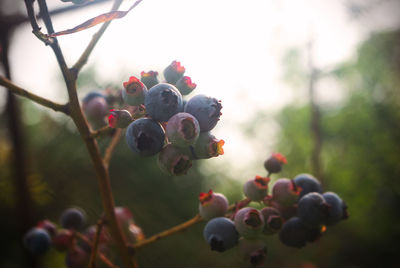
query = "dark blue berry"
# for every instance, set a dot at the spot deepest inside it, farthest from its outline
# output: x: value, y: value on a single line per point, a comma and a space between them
x: 335, y: 211
x: 206, y: 109
x: 73, y: 218
x: 308, y: 184
x: 312, y: 209
x: 220, y: 234
x: 163, y: 101
x: 145, y: 137
x: 294, y: 233
x: 37, y: 241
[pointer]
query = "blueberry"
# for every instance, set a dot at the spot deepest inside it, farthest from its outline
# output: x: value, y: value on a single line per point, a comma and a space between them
x: 73, y: 218
x: 63, y: 239
x: 285, y: 192
x: 119, y: 118
x: 335, y: 211
x: 134, y: 91
x: 274, y: 163
x: 145, y: 137
x: 249, y: 222
x: 257, y: 188
x: 173, y: 72
x: 212, y: 205
x: 182, y: 129
x: 76, y: 257
x: 206, y: 109
x: 312, y: 209
x: 95, y: 107
x: 174, y: 161
x: 149, y: 78
x: 294, y: 233
x: 185, y: 85
x: 273, y: 220
x: 163, y: 101
x: 308, y: 184
x: 220, y: 234
x: 207, y: 146
x: 37, y: 241
x: 254, y: 250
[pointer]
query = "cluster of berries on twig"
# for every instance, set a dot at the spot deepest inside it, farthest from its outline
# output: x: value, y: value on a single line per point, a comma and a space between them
x: 160, y: 120
x: 297, y: 209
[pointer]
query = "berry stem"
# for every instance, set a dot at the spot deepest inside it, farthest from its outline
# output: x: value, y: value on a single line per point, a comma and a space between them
x: 171, y: 231
x: 111, y: 147
x: 33, y: 97
x: 102, y: 257
x: 99, y: 226
x: 100, y: 131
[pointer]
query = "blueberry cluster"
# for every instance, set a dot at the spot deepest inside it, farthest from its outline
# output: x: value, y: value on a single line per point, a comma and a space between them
x: 296, y: 209
x: 64, y: 238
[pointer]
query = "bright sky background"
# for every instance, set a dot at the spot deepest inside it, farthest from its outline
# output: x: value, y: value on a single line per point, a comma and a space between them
x: 232, y: 49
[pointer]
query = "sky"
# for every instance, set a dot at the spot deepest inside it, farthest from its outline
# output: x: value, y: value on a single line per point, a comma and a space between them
x: 231, y: 49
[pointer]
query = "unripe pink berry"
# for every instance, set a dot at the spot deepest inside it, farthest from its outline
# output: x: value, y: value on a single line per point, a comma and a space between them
x: 212, y: 205
x: 249, y: 222
x: 257, y: 188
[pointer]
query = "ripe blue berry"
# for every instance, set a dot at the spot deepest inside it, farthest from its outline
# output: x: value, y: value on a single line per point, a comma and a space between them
x: 185, y: 85
x: 254, y: 250
x: 249, y: 222
x: 312, y: 209
x: 37, y: 241
x: 273, y: 220
x: 182, y: 130
x: 134, y: 91
x: 207, y: 146
x: 335, y: 211
x: 207, y: 110
x: 173, y: 161
x: 119, y: 118
x: 163, y: 101
x: 73, y: 218
x: 285, y: 192
x: 76, y: 257
x: 145, y: 137
x: 220, y: 234
x: 307, y: 184
x: 294, y: 233
x: 257, y: 188
x: 274, y: 163
x: 149, y: 78
x: 212, y: 205
x: 173, y: 72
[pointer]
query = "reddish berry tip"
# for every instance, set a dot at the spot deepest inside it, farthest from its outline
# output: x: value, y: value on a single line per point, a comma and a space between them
x: 205, y: 197
x: 176, y: 65
x: 280, y: 158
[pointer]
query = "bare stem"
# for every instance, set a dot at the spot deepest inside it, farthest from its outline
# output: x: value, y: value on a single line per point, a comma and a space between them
x: 111, y: 147
x: 35, y: 98
x: 102, y: 257
x: 101, y: 131
x: 179, y: 228
x: 99, y: 226
x: 96, y: 37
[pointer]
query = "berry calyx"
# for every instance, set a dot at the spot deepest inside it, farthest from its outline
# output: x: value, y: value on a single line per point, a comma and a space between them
x: 134, y: 91
x: 207, y: 146
x: 249, y: 222
x: 212, y: 205
x: 119, y: 118
x: 257, y: 188
x: 185, y: 85
x: 149, y: 78
x: 182, y: 129
x: 173, y: 72
x: 173, y: 161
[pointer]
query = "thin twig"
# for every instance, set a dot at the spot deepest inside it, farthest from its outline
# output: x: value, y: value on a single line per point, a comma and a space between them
x: 35, y: 98
x: 96, y: 37
x: 35, y: 27
x: 111, y: 147
x: 99, y: 226
x: 102, y: 257
x: 173, y: 230
x: 100, y: 131
x: 185, y: 225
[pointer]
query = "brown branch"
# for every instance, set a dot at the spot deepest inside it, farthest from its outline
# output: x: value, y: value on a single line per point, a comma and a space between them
x: 100, y: 131
x: 99, y: 226
x: 91, y: 145
x: 111, y: 147
x: 102, y: 257
x: 36, y: 30
x: 96, y: 37
x: 35, y: 98
x: 171, y: 231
